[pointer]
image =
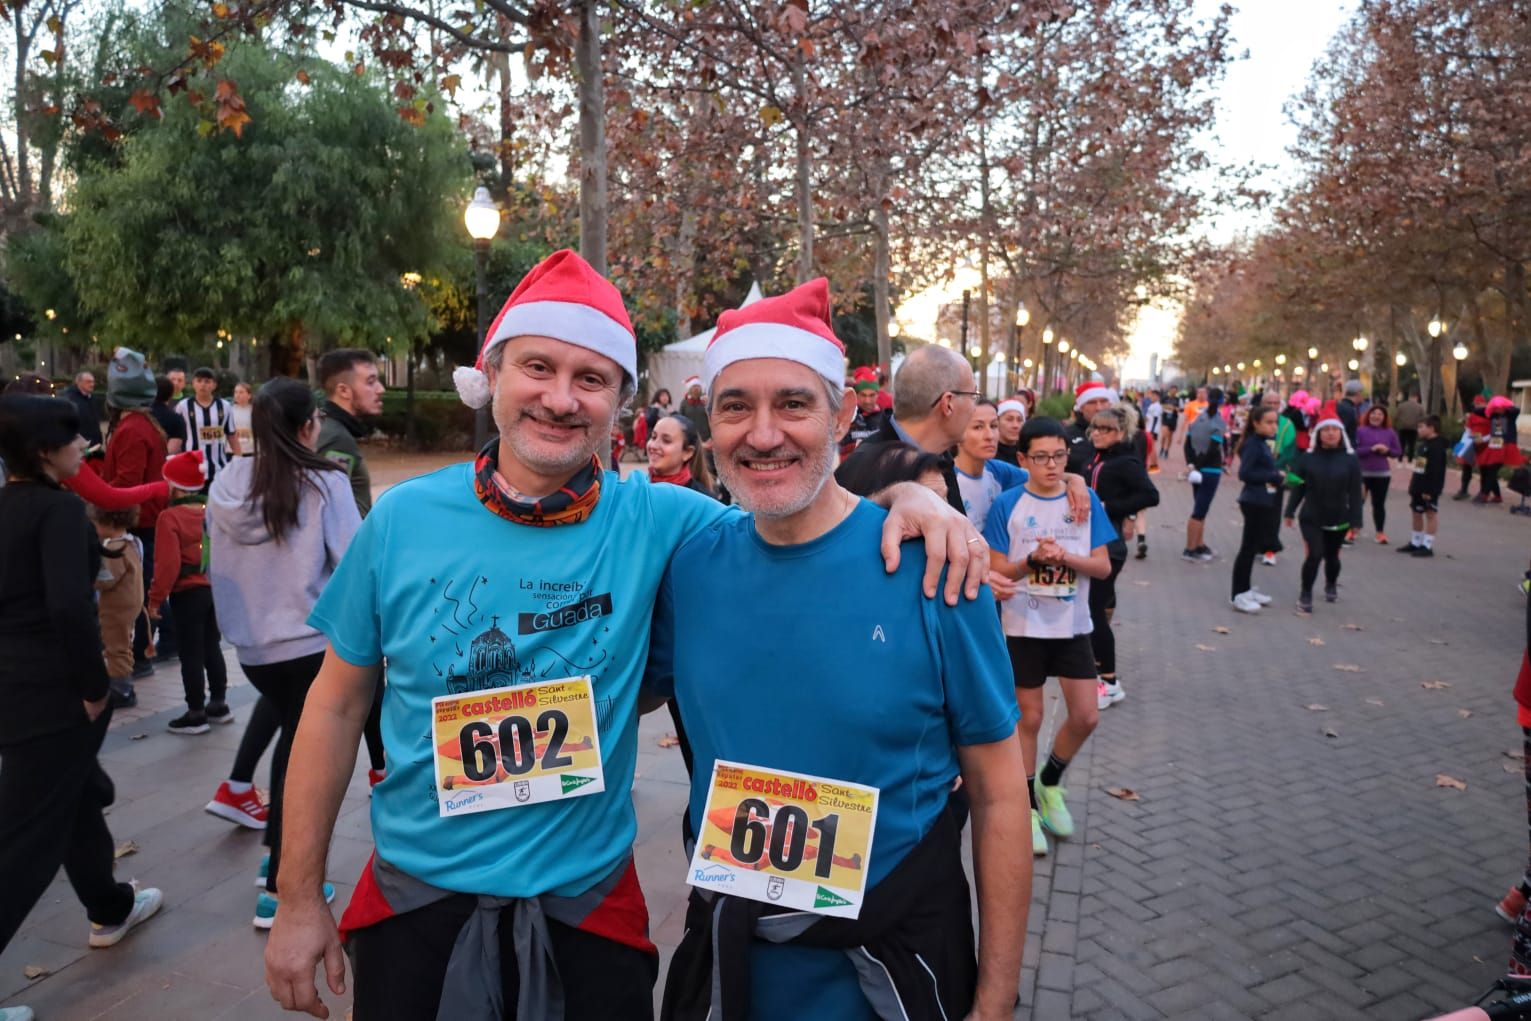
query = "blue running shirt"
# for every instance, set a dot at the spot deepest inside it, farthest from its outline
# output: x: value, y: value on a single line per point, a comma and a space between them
x: 459, y: 599
x: 812, y: 658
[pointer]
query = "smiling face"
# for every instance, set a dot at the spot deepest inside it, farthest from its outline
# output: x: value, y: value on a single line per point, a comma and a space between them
x: 981, y: 439
x: 1376, y: 418
x: 1105, y: 431
x: 775, y: 435
x: 553, y: 403
x: 667, y: 448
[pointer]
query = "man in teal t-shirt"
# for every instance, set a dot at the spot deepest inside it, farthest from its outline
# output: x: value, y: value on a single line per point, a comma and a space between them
x: 512, y: 599
x: 844, y: 679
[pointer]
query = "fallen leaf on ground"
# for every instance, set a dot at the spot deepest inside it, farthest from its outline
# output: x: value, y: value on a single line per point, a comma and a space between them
x: 1510, y: 767
x: 1464, y: 713
x: 1206, y: 648
x: 1375, y: 701
x: 1123, y: 793
x: 1330, y: 732
x: 35, y: 971
x: 1445, y: 780
x: 1349, y: 668
x: 1314, y: 707
x: 1514, y: 753
x: 1439, y: 641
x: 138, y: 737
x: 1315, y: 641
x: 124, y: 849
x: 1145, y: 584
x: 1222, y: 631
x: 1351, y: 627
x: 1435, y: 685
x: 669, y: 741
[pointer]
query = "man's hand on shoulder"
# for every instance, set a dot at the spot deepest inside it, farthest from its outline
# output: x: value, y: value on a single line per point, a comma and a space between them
x: 951, y: 541
x: 1078, y: 496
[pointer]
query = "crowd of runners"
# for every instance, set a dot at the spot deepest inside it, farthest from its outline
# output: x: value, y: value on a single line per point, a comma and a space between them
x: 529, y: 605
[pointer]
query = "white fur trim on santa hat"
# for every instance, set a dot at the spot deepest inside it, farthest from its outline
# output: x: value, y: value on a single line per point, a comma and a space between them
x: 690, y: 382
x: 773, y: 340
x: 1005, y: 406
x: 1095, y: 393
x: 582, y: 325
x: 472, y: 386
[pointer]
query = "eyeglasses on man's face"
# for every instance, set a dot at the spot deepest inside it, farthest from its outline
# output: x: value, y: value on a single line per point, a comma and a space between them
x: 957, y: 393
x: 1058, y: 458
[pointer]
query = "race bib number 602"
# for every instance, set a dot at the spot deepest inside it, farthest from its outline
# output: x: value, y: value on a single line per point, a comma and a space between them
x: 800, y: 841
x: 514, y: 746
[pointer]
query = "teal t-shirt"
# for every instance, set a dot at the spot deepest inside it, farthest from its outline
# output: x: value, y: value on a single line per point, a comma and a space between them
x: 812, y: 658
x: 457, y: 599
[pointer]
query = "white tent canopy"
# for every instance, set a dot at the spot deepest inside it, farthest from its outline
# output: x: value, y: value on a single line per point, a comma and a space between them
x: 672, y: 364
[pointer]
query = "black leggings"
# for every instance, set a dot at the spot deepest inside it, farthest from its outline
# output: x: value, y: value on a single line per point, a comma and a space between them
x: 1488, y: 480
x: 1323, y: 544
x: 52, y: 793
x: 1376, y: 491
x: 264, y: 723
x: 197, y: 627
x: 1260, y: 524
x: 286, y: 685
x: 1102, y: 638
x: 1467, y: 477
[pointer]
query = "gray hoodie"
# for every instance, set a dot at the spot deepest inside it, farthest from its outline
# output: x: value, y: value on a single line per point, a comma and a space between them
x: 263, y: 589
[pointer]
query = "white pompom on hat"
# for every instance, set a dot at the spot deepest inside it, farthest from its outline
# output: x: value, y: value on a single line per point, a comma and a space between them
x: 794, y: 326
x: 563, y: 297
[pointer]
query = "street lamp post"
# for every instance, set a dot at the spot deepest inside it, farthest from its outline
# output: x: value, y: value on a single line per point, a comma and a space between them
x: 1437, y: 399
x: 482, y: 218
x: 1047, y: 351
x: 1459, y: 354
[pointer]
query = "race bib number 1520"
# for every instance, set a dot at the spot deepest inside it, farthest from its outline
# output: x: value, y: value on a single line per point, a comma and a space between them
x: 785, y: 838
x: 514, y: 746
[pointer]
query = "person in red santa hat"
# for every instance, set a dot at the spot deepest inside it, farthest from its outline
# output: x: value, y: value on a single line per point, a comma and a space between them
x: 869, y: 413
x: 693, y: 407
x: 775, y: 380
x: 1090, y: 397
x: 502, y: 884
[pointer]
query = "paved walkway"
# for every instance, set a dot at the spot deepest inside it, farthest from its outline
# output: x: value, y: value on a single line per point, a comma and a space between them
x: 1270, y: 869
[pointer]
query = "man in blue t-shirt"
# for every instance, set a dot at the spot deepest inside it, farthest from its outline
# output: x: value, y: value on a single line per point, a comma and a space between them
x: 512, y: 598
x: 769, y: 692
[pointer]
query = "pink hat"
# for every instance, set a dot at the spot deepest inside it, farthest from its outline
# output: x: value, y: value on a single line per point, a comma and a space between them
x: 186, y: 471
x: 1299, y: 399
x: 1499, y: 403
x: 563, y: 297
x: 794, y: 326
x: 1093, y: 390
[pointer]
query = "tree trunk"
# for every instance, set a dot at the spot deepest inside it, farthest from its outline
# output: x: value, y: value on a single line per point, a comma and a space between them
x: 882, y: 270
x: 592, y: 137
x: 507, y: 150
x: 983, y: 250
x: 804, y: 175
x: 287, y: 354
x: 685, y: 272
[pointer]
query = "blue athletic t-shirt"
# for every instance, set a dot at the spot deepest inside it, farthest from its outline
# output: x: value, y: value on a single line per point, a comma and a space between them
x: 812, y: 658
x: 979, y: 491
x: 457, y: 599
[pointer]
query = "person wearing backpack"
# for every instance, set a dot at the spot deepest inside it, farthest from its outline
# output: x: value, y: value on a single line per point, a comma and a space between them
x: 1204, y: 439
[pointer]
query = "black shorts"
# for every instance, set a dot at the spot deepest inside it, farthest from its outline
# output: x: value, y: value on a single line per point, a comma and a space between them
x: 1424, y: 503
x: 1034, y: 660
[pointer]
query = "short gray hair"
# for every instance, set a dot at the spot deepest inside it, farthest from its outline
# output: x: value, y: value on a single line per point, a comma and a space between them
x: 927, y: 373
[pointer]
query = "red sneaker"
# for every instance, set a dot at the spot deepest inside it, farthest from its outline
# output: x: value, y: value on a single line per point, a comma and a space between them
x: 1381, y: 538
x: 246, y: 809
x: 375, y: 776
x: 1512, y: 906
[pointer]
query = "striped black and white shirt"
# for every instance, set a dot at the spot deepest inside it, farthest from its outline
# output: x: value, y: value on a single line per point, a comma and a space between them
x: 208, y: 430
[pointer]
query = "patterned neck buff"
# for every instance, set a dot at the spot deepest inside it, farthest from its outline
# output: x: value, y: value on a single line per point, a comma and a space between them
x: 572, y: 504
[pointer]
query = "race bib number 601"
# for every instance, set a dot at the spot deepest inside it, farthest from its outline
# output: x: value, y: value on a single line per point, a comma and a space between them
x: 514, y: 746
x: 800, y: 841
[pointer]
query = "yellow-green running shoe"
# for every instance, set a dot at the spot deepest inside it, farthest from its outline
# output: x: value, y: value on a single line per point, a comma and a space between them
x: 1038, y: 838
x: 1055, y: 814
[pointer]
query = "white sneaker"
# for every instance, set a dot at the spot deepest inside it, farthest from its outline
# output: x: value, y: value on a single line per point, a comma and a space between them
x: 145, y: 904
x: 1107, y: 694
x: 1259, y: 597
x: 1245, y: 603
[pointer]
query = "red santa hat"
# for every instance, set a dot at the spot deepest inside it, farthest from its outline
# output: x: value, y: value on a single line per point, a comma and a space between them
x: 563, y: 297
x: 690, y: 382
x: 794, y: 326
x: 186, y: 471
x: 1092, y: 390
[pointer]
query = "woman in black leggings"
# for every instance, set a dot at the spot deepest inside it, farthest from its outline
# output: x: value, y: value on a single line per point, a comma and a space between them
x: 1259, y: 502
x: 278, y: 523
x: 1327, y: 488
